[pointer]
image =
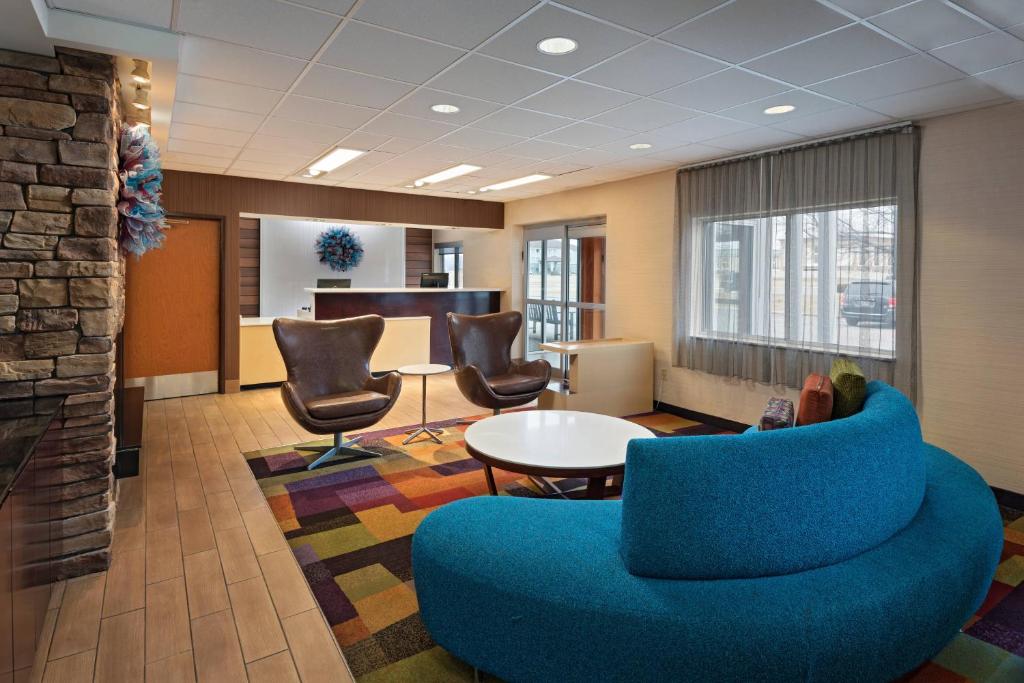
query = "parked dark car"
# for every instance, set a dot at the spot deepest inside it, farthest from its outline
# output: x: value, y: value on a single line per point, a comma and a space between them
x: 869, y: 301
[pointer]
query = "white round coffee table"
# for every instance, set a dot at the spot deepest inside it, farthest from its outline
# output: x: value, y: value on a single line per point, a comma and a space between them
x: 554, y: 443
x: 423, y: 370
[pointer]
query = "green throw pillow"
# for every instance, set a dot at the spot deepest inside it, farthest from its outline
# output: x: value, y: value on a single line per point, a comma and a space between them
x: 849, y: 388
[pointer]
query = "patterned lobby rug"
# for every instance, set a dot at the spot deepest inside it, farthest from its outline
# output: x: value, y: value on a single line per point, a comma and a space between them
x: 350, y: 526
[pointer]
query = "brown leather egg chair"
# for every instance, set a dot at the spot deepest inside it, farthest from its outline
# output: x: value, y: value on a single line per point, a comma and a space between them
x: 484, y: 369
x: 330, y: 389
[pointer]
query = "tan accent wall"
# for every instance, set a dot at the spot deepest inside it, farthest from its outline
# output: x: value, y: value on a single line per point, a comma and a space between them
x: 972, y: 289
x: 972, y: 224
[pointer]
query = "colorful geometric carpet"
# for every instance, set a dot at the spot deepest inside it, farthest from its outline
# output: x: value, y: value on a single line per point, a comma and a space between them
x: 350, y: 526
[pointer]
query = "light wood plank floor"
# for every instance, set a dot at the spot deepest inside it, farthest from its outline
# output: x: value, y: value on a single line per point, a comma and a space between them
x: 202, y: 585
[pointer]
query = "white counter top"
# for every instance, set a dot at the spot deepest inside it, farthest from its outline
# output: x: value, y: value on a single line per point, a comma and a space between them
x: 398, y: 290
x: 258, y: 322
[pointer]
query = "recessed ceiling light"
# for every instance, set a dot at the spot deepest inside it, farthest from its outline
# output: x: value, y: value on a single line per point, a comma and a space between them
x: 445, y: 109
x: 141, y: 100
x: 515, y: 182
x: 447, y: 174
x: 557, y: 45
x: 780, y: 109
x: 410, y: 186
x: 140, y: 72
x: 640, y: 145
x: 334, y: 159
x: 470, y: 191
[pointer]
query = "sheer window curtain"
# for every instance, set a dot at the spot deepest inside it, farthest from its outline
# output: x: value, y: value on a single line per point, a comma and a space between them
x: 791, y: 258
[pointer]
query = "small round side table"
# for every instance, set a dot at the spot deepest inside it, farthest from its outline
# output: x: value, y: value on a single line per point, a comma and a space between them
x: 423, y: 370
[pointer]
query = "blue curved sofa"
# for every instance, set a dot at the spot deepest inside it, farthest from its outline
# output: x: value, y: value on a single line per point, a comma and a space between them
x: 844, y: 551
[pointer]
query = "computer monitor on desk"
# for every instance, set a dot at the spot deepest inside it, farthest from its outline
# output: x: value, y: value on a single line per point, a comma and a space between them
x: 343, y: 283
x: 439, y: 280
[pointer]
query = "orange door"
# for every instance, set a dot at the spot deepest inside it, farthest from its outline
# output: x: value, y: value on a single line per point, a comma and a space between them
x: 172, y: 313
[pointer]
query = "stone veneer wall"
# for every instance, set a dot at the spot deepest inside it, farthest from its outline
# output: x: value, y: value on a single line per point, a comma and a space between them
x: 61, y: 283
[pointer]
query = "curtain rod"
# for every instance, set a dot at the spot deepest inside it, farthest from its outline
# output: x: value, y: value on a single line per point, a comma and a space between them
x: 796, y: 145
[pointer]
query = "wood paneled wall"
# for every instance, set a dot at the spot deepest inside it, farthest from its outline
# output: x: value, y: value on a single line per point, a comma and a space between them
x: 419, y: 256
x: 249, y: 267
x: 223, y: 197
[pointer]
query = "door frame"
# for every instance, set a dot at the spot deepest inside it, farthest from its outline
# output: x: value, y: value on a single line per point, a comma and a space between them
x: 550, y: 231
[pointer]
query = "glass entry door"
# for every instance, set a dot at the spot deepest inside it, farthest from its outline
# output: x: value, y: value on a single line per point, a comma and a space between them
x: 564, y: 285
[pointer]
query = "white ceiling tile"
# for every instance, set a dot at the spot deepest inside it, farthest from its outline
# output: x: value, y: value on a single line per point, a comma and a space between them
x: 902, y: 75
x: 688, y: 154
x: 262, y: 167
x: 722, y: 90
x: 309, y: 110
x: 1007, y: 79
x: 333, y: 6
x: 847, y: 50
x: 1002, y: 13
x: 490, y: 79
x: 641, y: 165
x: 1017, y: 31
x: 521, y: 122
x: 464, y: 23
x: 219, y: 136
x: 935, y: 99
x: 585, y: 134
x: 295, y: 130
x: 407, y: 126
x: 982, y: 53
x: 649, y: 68
x: 421, y: 101
x: 275, y: 158
x: 596, y: 41
x: 701, y: 128
x: 341, y: 85
x: 755, y: 138
x: 196, y: 159
x: 576, y: 100
x: 648, y: 16
x: 867, y: 8
x: 642, y: 115
x: 539, y: 149
x: 266, y: 24
x: 214, y: 117
x: 204, y: 148
x: 148, y: 12
x: 753, y: 112
x: 748, y: 28
x: 556, y: 168
x: 375, y: 51
x: 836, y: 120
x: 363, y: 140
x: 225, y: 95
x: 272, y: 143
x: 214, y: 59
x: 434, y: 153
x: 592, y: 157
x: 193, y: 168
x: 927, y: 24
x: 394, y: 145
x: 656, y: 141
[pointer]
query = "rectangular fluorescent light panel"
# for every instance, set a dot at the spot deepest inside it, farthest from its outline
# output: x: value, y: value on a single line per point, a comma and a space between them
x: 525, y: 180
x: 447, y: 174
x: 334, y: 159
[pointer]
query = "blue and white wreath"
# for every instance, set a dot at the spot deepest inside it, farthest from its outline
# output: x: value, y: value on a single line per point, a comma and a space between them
x: 340, y: 248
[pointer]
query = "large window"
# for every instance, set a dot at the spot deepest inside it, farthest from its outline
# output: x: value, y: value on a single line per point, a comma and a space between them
x: 794, y: 257
x: 448, y: 259
x: 822, y: 278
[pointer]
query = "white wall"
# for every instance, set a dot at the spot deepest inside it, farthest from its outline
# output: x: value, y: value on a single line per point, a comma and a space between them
x: 288, y: 261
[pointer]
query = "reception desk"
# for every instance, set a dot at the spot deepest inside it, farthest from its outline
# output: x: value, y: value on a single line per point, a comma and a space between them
x: 406, y: 341
x: 330, y: 304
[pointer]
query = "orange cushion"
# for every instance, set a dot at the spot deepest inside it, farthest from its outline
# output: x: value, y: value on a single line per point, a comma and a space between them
x: 815, y: 400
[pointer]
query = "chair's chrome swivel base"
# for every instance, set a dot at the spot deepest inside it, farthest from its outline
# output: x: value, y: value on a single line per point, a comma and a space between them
x: 340, y: 447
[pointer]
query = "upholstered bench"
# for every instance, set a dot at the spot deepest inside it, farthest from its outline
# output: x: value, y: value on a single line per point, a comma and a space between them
x: 843, y: 551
